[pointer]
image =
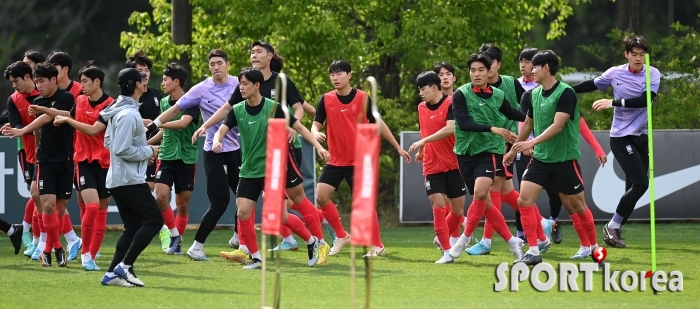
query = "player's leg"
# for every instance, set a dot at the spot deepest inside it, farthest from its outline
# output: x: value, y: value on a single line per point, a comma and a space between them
x: 296, y: 225
x: 537, y: 176
x: 29, y: 176
x: 328, y: 182
x: 87, y: 188
x: 455, y: 217
x: 233, y: 162
x: 555, y: 204
x: 48, y: 177
x: 166, y: 171
x: 247, y: 194
x: 184, y: 184
x: 65, y: 171
x: 436, y: 187
x: 132, y: 222
x: 14, y: 232
x: 39, y: 210
x: 216, y: 170
x: 29, y: 207
x: 521, y: 162
x: 585, y: 249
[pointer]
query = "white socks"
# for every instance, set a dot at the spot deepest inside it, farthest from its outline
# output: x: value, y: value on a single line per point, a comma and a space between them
x: 613, y: 225
x: 512, y: 241
x: 487, y: 241
x: 26, y: 226
x: 289, y: 239
x: 310, y: 241
x: 11, y: 230
x: 124, y: 267
x: 256, y: 255
x: 71, y: 237
x: 543, y: 222
x: 174, y: 232
x: 35, y: 240
x: 534, y: 250
x: 197, y: 245
x: 244, y: 248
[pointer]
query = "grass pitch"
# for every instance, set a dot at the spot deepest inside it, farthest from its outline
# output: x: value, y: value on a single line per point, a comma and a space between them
x: 405, y: 278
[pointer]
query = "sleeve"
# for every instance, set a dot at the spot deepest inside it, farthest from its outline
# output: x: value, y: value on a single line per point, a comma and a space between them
x: 231, y: 121
x: 604, y: 81
x: 450, y: 114
x: 191, y: 98
x: 72, y: 111
x: 320, y: 111
x: 567, y: 102
x: 655, y: 76
x: 526, y: 104
x: 13, y: 115
x: 519, y: 90
x: 461, y: 114
x: 293, y: 96
x: 236, y: 97
x: 66, y: 102
x: 638, y: 102
x: 121, y: 140
x: 102, y: 120
x: 511, y: 113
x: 370, y: 117
x: 279, y: 113
x: 4, y: 118
x: 194, y: 112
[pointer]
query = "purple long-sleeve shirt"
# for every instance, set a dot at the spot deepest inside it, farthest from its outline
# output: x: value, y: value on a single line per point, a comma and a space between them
x: 627, y: 85
x: 209, y: 97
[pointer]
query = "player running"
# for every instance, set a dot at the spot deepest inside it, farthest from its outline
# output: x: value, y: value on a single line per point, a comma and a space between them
x: 442, y: 179
x: 628, y: 133
x: 554, y: 116
x: 177, y: 160
x: 252, y: 115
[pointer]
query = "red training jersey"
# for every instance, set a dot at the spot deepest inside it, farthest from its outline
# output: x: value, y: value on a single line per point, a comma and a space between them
x: 341, y: 120
x: 90, y: 148
x: 22, y: 104
x: 438, y: 157
x: 75, y: 89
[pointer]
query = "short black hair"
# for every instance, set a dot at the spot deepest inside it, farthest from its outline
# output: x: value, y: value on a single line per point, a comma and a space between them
x: 276, y: 64
x: 428, y: 78
x: 217, y: 53
x: 58, y: 57
x: 18, y: 69
x: 126, y: 90
x: 253, y: 75
x: 547, y: 57
x: 92, y: 72
x: 527, y: 54
x: 34, y: 56
x: 492, y: 51
x: 481, y: 57
x: 139, y: 58
x: 176, y: 72
x: 45, y: 70
x: 632, y: 41
x: 339, y: 66
x: 448, y: 66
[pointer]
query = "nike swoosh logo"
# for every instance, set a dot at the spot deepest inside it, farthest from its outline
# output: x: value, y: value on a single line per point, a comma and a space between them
x: 433, y: 116
x: 342, y: 110
x: 607, y: 188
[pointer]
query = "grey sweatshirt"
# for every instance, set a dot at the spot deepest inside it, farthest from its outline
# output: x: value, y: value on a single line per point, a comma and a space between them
x: 125, y: 138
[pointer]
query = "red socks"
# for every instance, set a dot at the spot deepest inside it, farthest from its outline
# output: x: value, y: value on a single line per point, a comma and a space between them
x: 474, y: 213
x: 247, y: 232
x: 52, y: 226
x: 294, y: 223
x: 498, y: 222
x: 181, y: 224
x: 169, y: 218
x: 82, y: 207
x: 496, y: 201
x: 36, y: 228
x: 582, y: 236
x: 588, y: 225
x: 320, y: 215
x: 66, y: 224
x: 40, y: 221
x: 330, y: 212
x: 441, y: 227
x: 313, y: 224
x: 529, y: 219
x: 29, y: 210
x: 376, y: 235
x: 540, y: 231
x: 453, y: 223
x: 286, y: 232
x: 88, y: 224
x: 241, y: 241
x: 99, y: 232
x: 511, y: 199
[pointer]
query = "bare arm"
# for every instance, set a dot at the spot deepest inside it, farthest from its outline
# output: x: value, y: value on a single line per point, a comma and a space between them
x: 177, y: 124
x: 85, y: 128
x: 309, y: 109
x: 51, y: 112
x: 219, y: 116
x: 156, y: 138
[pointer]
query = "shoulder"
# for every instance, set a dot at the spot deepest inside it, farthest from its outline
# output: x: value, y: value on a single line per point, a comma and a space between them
x: 232, y: 81
x: 202, y: 86
x: 423, y: 105
x: 655, y: 72
x: 65, y: 95
x: 497, y: 92
x: 507, y: 78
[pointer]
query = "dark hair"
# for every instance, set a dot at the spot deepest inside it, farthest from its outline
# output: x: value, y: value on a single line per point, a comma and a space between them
x: 139, y: 58
x: 92, y: 72
x: 339, y: 66
x: 449, y: 67
x: 527, y: 54
x: 428, y: 78
x: 277, y: 62
x: 176, y: 72
x: 217, y: 53
x: 547, y: 57
x: 34, y: 56
x: 45, y: 70
x: 126, y: 90
x: 18, y: 69
x: 483, y: 58
x: 58, y: 57
x: 252, y: 74
x: 492, y: 51
x: 632, y: 41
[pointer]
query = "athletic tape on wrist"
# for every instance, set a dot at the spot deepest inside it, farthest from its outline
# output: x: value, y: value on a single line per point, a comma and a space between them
x: 157, y: 123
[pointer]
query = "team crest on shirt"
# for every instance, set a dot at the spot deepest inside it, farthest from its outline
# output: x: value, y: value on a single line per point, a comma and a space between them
x: 427, y: 184
x: 272, y: 93
x: 156, y: 100
x: 82, y: 180
x: 41, y: 184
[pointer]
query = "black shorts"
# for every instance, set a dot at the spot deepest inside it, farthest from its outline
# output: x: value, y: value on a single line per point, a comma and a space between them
x: 176, y: 172
x: 449, y: 183
x: 293, y: 172
x: 508, y: 169
x: 567, y: 175
x: 90, y: 175
x: 28, y: 169
x: 250, y: 188
x: 334, y: 175
x: 484, y: 164
x: 55, y: 178
x: 151, y: 172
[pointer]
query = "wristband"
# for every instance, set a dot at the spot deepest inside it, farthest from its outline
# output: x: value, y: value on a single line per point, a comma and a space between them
x: 623, y: 102
x: 157, y: 123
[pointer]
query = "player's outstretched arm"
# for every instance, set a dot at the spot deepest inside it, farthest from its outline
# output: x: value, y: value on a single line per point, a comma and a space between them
x: 51, y: 112
x: 216, y: 144
x: 182, y: 123
x: 306, y: 134
x: 446, y: 131
x: 92, y: 130
x: 386, y: 133
x: 34, y: 126
x: 156, y: 138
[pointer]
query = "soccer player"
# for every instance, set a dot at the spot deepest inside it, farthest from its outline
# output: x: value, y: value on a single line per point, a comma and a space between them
x: 446, y: 72
x: 126, y: 178
x: 442, y: 179
x: 177, y: 160
x: 21, y: 76
x: 54, y: 158
x: 221, y: 169
x: 14, y: 232
x: 554, y: 117
x: 32, y: 57
x: 252, y: 115
x: 628, y: 133
x: 340, y: 110
x: 92, y: 161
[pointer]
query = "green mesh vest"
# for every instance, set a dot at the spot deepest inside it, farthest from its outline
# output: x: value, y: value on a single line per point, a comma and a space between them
x: 253, y: 132
x: 565, y: 145
x: 508, y: 87
x: 177, y: 144
x: 482, y: 111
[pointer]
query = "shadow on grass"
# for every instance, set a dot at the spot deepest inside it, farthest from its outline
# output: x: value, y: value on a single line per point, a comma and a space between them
x: 151, y: 273
x: 200, y: 290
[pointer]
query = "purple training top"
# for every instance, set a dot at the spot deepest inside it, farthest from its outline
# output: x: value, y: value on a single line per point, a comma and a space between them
x: 210, y: 96
x: 628, y: 85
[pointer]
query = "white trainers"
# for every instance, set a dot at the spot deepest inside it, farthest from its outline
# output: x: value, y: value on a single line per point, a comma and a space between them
x: 234, y: 242
x: 313, y: 251
x: 115, y: 281
x: 254, y: 264
x: 453, y: 241
x: 516, y: 249
x: 128, y: 275
x: 197, y: 254
x: 458, y: 248
x: 338, y: 244
x: 446, y: 258
x: 437, y: 243
x: 375, y: 251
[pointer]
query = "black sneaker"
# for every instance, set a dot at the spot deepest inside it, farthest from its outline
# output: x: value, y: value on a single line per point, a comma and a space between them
x: 254, y: 264
x: 313, y: 251
x: 530, y: 259
x: 523, y: 238
x: 45, y: 259
x: 556, y: 233
x: 61, y: 259
x: 16, y: 237
x: 612, y: 237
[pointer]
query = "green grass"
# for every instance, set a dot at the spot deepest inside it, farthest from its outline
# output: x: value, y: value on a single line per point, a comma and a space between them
x: 405, y: 278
